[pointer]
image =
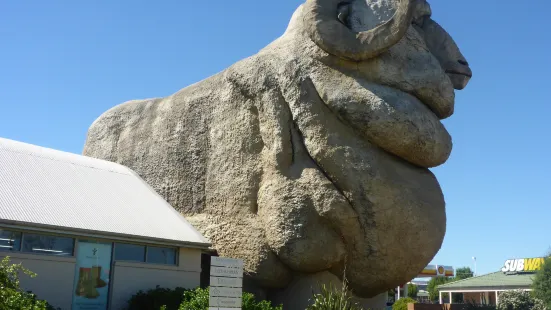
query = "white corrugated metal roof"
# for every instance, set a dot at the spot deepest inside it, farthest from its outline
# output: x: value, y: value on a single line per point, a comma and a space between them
x: 40, y: 186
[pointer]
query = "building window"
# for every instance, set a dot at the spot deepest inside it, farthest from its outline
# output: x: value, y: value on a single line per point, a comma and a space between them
x: 166, y: 256
x: 130, y: 252
x: 51, y: 245
x: 10, y: 240
x: 145, y: 254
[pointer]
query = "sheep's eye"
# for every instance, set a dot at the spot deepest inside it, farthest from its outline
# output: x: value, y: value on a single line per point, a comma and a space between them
x: 420, y: 21
x: 343, y: 11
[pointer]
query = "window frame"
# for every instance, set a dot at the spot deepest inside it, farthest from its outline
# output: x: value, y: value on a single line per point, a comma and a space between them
x: 20, y: 241
x: 24, y: 233
x: 176, y: 255
x: 115, y: 246
x: 145, y: 260
x: 75, y: 240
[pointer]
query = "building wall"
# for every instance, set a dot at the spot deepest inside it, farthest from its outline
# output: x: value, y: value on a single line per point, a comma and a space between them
x: 472, y: 297
x: 489, y: 297
x: 54, y: 280
x: 129, y: 278
x: 55, y: 276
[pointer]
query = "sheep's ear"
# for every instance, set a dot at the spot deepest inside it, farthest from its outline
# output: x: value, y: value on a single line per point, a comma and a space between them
x: 422, y: 12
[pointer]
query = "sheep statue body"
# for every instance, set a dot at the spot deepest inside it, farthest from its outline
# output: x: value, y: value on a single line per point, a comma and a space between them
x: 311, y: 157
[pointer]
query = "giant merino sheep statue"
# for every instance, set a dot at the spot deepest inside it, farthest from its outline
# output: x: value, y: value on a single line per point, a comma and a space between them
x: 312, y: 156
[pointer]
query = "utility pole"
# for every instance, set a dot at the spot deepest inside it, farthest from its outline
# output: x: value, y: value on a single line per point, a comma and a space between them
x: 474, y: 259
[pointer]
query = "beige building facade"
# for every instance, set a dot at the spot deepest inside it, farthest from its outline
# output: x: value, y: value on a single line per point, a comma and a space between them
x: 55, y: 281
x: 93, y: 231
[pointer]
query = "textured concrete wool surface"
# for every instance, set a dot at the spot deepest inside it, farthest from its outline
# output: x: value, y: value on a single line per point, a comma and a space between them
x: 313, y: 155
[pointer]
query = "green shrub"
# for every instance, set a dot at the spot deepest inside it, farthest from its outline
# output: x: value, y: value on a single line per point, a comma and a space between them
x: 182, y: 299
x: 519, y: 300
x: 198, y: 299
x: 331, y: 298
x: 11, y: 295
x: 250, y: 303
x: 402, y: 303
x: 155, y: 298
x: 542, y: 283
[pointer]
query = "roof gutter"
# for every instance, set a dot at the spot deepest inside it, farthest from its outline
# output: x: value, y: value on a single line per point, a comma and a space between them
x: 483, y: 289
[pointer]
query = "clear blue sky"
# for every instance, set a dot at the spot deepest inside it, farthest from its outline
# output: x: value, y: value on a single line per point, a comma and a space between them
x: 63, y: 63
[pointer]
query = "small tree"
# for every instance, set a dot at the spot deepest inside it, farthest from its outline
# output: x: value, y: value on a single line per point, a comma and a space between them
x: 463, y: 273
x: 542, y: 283
x: 432, y: 287
x: 519, y: 300
x: 11, y: 294
x: 402, y: 303
x: 413, y: 290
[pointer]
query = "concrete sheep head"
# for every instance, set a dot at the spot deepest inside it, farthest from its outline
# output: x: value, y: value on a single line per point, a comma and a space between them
x: 312, y: 155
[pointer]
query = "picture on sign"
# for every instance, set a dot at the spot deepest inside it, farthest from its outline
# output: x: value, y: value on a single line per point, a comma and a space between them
x: 91, y: 284
x: 226, y: 283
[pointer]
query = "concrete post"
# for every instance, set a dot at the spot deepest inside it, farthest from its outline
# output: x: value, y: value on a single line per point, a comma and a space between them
x: 497, y: 298
x: 450, y: 297
x: 440, y: 297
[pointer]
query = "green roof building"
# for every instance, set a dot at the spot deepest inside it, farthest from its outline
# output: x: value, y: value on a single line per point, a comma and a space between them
x: 516, y: 274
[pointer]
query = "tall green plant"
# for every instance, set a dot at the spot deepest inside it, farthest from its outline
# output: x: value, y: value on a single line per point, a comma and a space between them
x: 332, y: 298
x: 542, y: 283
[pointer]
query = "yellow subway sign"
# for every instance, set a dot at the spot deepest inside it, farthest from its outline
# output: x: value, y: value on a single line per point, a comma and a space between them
x: 523, y: 265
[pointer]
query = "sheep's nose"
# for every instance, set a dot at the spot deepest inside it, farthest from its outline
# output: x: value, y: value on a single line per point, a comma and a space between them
x: 459, y: 73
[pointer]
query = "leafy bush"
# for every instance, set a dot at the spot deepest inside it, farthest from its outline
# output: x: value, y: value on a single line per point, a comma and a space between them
x: 519, y: 300
x: 198, y: 299
x: 11, y: 295
x: 331, y: 298
x: 402, y: 303
x: 250, y: 303
x: 157, y: 297
x: 182, y: 299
